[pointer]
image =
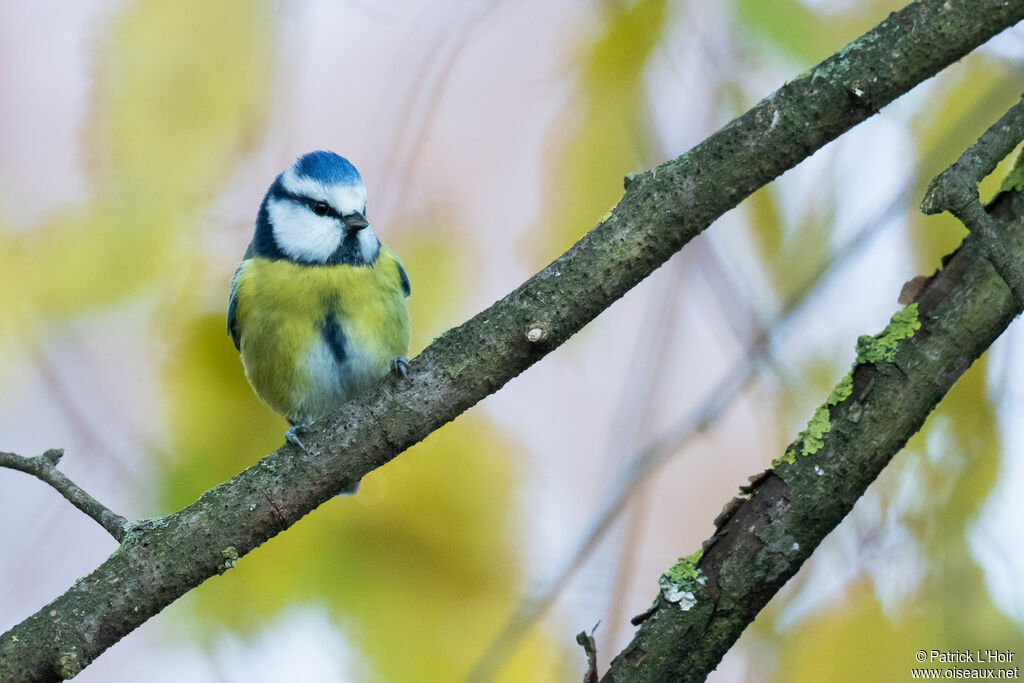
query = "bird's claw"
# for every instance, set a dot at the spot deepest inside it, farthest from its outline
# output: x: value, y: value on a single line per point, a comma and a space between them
x: 292, y: 435
x: 400, y: 366
x: 351, y: 489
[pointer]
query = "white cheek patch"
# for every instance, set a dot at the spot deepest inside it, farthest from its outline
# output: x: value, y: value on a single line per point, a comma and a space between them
x: 300, y: 233
x: 368, y: 244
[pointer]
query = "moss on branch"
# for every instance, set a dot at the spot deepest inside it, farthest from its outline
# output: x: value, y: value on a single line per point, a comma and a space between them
x: 899, y: 377
x: 160, y: 560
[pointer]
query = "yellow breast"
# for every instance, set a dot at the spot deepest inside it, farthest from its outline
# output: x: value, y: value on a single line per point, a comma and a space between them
x: 313, y: 336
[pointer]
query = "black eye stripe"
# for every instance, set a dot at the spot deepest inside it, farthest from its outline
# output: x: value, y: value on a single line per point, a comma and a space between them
x: 311, y: 203
x: 322, y: 208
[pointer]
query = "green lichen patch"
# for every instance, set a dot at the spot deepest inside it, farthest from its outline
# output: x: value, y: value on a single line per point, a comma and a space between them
x: 230, y: 555
x: 681, y: 580
x: 877, y: 349
x: 882, y: 347
x: 685, y: 569
x: 812, y: 438
x: 787, y: 458
x: 841, y: 391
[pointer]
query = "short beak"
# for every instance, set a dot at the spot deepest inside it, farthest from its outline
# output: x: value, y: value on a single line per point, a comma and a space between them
x: 355, y: 222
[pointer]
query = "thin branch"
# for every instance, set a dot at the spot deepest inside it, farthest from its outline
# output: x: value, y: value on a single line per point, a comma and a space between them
x: 589, y: 645
x: 765, y: 535
x: 662, y: 210
x: 956, y: 190
x: 44, y: 468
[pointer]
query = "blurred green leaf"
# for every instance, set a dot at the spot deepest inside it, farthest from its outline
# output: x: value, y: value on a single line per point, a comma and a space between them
x: 791, y: 26
x: 810, y: 34
x: 178, y: 96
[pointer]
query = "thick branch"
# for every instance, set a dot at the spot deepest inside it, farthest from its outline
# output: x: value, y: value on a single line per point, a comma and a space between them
x: 763, y: 538
x: 44, y: 468
x: 662, y: 210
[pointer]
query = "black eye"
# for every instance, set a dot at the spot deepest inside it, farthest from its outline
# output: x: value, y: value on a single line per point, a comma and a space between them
x: 321, y: 208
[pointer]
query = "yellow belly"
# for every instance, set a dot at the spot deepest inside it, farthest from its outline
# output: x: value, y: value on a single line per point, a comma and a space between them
x: 282, y: 313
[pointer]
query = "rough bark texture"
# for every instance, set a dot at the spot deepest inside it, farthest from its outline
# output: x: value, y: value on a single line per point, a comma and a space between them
x: 662, y: 210
x: 763, y: 540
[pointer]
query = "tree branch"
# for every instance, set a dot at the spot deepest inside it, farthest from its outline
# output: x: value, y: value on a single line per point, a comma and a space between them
x: 956, y: 190
x: 589, y: 645
x: 662, y: 210
x: 44, y: 468
x: 765, y: 535
x: 645, y: 462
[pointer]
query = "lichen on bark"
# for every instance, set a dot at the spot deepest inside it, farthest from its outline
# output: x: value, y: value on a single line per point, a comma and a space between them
x: 661, y: 211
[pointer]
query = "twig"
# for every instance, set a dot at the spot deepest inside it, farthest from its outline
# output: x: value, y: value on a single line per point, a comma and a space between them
x: 44, y: 468
x: 956, y: 190
x: 590, y: 647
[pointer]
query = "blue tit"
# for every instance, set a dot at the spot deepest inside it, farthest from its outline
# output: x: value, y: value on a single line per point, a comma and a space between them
x: 318, y: 305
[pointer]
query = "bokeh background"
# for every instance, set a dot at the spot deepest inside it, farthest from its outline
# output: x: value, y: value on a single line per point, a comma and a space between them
x: 138, y: 138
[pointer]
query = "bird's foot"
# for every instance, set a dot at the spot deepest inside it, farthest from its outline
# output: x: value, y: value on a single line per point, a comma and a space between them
x: 400, y: 366
x: 292, y: 435
x: 351, y: 488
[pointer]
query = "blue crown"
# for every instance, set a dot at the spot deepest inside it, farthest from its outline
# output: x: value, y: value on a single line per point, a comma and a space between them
x: 327, y: 168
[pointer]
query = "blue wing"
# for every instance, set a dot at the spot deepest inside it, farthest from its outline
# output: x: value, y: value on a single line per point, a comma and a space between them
x: 406, y: 288
x: 233, y: 306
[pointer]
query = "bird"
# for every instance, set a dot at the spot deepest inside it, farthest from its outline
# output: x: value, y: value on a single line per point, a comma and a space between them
x: 318, y: 308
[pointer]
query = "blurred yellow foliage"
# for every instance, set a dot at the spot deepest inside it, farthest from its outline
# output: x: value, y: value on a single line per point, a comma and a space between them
x: 181, y: 91
x: 607, y: 114
x: 439, y: 275
x: 791, y: 251
x: 179, y: 94
x: 422, y: 558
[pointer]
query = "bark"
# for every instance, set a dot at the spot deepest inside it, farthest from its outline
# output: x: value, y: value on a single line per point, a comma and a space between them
x: 764, y: 536
x: 161, y: 559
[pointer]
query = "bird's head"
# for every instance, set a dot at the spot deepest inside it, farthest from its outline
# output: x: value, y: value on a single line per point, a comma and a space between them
x: 315, y: 213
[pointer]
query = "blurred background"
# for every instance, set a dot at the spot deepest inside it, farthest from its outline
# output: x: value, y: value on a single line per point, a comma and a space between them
x: 138, y: 140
